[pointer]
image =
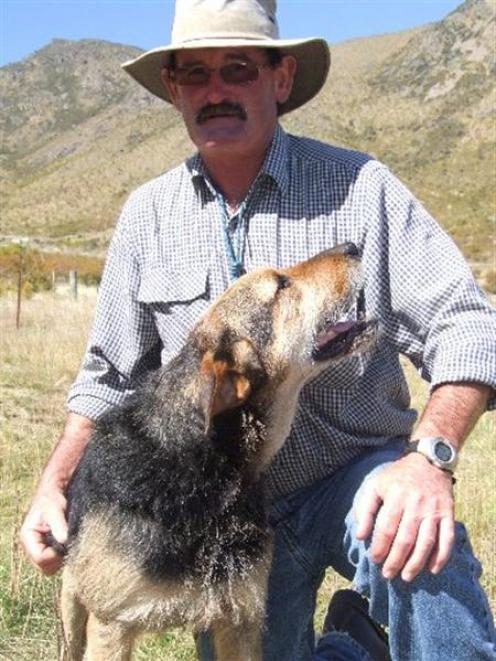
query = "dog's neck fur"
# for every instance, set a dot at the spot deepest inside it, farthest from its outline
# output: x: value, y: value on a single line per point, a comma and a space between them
x: 281, y: 409
x: 255, y: 431
x: 180, y: 423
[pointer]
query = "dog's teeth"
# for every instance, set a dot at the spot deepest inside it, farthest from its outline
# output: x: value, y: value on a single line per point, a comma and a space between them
x: 350, y: 315
x: 360, y: 306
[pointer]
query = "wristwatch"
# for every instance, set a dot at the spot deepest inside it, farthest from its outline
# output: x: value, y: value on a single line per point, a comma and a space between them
x: 438, y: 450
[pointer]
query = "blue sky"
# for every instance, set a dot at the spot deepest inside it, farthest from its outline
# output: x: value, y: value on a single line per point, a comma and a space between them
x: 26, y: 25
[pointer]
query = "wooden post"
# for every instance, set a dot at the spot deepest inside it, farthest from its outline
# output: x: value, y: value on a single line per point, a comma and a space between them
x: 22, y: 255
x: 19, y: 293
x: 73, y: 282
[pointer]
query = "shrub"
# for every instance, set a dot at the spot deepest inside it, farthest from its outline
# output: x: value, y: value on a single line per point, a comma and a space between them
x: 37, y: 268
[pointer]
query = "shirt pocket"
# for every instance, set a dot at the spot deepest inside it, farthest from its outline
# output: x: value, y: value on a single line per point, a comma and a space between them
x: 176, y: 298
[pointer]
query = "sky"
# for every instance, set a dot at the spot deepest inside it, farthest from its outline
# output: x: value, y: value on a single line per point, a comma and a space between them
x: 27, y: 25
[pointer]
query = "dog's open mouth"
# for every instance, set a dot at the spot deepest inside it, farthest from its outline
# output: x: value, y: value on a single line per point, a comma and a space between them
x: 347, y: 334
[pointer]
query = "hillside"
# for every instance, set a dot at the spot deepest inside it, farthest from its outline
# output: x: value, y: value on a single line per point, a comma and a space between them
x: 78, y: 134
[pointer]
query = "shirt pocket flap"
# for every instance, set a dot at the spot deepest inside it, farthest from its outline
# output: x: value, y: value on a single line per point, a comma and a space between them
x: 166, y: 286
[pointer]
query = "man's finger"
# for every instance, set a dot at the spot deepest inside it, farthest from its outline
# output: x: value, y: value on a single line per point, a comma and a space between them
x: 366, y: 509
x: 426, y: 541
x: 444, y: 548
x: 57, y: 523
x: 49, y: 561
x: 47, y: 516
x: 42, y: 556
x: 32, y: 541
x: 385, y: 530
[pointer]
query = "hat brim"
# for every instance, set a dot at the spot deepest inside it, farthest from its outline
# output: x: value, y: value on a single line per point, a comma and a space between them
x: 312, y: 56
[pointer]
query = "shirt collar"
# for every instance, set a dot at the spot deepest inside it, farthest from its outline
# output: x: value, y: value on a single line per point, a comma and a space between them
x: 275, y: 165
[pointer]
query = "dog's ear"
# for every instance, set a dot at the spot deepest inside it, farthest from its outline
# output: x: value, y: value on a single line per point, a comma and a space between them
x: 227, y: 379
x: 221, y: 388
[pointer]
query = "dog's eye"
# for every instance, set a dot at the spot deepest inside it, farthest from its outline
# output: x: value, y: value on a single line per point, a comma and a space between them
x: 283, y: 282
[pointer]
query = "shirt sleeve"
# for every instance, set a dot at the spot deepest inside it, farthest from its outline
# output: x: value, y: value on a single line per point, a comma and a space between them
x: 424, y: 294
x: 124, y: 343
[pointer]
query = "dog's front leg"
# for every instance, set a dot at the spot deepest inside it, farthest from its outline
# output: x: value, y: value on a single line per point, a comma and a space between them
x: 237, y: 643
x: 108, y: 641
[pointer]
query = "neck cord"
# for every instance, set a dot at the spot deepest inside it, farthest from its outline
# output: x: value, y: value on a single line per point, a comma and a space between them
x: 235, y: 245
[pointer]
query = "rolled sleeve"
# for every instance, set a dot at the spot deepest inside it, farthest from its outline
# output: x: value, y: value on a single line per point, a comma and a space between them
x: 431, y: 308
x: 124, y: 344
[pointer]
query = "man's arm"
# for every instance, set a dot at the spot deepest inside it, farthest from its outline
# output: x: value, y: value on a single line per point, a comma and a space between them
x: 409, y: 505
x: 124, y: 345
x: 47, y: 511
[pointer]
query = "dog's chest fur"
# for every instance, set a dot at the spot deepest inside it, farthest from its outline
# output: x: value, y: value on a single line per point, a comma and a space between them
x: 181, y: 505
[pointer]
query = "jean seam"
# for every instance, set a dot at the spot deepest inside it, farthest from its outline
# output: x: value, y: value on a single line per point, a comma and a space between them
x: 316, y: 581
x: 486, y: 615
x: 290, y: 539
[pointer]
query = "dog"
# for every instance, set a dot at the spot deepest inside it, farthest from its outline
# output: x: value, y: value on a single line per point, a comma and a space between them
x: 167, y: 518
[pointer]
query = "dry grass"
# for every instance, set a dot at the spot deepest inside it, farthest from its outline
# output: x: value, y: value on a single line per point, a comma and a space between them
x: 38, y: 363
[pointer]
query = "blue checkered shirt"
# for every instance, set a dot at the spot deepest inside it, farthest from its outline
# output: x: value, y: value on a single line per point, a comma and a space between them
x: 167, y: 262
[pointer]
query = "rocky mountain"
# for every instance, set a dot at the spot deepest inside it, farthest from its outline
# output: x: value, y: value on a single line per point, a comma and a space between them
x: 60, y: 87
x: 455, y: 55
x: 78, y: 134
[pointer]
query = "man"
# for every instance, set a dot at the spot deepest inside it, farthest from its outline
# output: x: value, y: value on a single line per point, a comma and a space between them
x: 254, y: 196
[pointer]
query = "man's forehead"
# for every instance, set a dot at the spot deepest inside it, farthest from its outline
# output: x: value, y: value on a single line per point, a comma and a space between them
x: 206, y: 55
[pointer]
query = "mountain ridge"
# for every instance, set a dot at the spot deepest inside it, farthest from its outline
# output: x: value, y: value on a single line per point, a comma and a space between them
x: 78, y: 134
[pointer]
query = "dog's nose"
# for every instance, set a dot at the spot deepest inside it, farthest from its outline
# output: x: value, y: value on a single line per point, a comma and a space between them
x: 341, y: 249
x: 345, y: 249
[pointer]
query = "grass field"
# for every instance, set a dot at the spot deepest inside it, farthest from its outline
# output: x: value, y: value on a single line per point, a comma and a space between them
x: 38, y: 363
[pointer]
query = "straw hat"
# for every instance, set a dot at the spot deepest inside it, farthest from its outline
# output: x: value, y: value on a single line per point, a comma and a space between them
x: 234, y: 23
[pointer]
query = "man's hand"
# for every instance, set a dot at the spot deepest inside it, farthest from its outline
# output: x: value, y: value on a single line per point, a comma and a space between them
x: 47, y: 514
x: 409, y: 508
x: 409, y: 505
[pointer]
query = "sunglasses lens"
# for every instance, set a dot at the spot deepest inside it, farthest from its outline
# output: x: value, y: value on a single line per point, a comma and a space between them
x: 234, y: 73
x: 191, y: 75
x: 239, y: 73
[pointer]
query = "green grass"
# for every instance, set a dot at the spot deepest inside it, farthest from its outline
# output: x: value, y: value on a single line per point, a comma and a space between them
x: 38, y: 364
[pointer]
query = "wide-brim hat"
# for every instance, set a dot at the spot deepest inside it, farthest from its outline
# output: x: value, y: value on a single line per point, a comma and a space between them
x: 231, y: 24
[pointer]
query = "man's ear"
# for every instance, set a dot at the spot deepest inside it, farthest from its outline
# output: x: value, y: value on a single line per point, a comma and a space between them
x: 169, y: 86
x: 284, y: 78
x: 222, y: 388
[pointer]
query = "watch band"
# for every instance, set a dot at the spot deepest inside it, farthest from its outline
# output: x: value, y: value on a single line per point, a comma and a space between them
x: 438, y: 451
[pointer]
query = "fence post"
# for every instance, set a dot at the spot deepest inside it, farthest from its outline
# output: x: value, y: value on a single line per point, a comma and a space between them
x: 19, y: 293
x: 73, y: 283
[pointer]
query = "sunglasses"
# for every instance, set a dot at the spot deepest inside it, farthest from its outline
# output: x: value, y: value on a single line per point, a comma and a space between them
x: 234, y: 73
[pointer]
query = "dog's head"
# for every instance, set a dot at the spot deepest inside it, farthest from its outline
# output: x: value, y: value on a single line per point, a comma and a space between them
x: 274, y: 329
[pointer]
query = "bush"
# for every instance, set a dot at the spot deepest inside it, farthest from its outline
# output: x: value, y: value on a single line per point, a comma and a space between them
x: 37, y: 268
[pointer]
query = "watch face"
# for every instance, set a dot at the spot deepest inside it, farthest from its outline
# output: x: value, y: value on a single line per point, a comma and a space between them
x: 443, y: 451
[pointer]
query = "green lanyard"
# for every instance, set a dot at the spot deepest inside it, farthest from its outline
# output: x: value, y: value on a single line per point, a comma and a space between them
x: 235, y: 245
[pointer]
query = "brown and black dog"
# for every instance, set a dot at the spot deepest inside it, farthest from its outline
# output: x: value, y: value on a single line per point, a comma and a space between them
x: 167, y: 521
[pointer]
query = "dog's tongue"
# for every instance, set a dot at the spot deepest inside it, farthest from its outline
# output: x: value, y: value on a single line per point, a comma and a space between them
x: 334, y: 331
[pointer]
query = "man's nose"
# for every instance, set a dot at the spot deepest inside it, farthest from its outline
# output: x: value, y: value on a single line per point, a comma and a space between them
x: 216, y: 85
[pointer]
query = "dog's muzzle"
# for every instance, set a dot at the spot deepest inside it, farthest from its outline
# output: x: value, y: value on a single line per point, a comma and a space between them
x: 338, y: 338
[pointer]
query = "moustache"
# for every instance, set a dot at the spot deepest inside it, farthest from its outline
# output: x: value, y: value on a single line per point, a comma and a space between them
x: 225, y: 109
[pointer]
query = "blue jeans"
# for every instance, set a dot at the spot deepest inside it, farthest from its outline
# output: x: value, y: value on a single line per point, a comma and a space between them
x: 434, y: 618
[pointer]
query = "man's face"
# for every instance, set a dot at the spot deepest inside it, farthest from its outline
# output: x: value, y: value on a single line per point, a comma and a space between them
x: 227, y: 118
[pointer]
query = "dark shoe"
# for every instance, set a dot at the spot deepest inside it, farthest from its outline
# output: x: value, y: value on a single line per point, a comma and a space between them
x: 349, y: 612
